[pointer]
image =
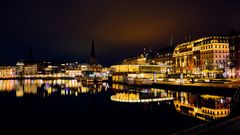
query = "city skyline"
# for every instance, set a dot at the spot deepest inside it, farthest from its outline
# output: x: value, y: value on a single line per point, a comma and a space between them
x: 120, y: 66
x: 62, y: 31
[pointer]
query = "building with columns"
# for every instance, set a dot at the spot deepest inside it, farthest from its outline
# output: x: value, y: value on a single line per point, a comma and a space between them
x: 205, y: 57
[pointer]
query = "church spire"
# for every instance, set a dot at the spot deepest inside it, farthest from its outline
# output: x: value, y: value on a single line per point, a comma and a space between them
x: 171, y: 41
x: 92, y: 56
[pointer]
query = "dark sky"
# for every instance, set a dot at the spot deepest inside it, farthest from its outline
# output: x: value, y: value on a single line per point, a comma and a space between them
x: 61, y: 30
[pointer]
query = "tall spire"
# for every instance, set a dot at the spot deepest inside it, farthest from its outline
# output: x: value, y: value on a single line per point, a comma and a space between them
x: 92, y: 56
x: 150, y: 49
x: 171, y: 41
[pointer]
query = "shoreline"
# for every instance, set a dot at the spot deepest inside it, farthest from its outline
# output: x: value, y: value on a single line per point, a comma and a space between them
x: 36, y: 78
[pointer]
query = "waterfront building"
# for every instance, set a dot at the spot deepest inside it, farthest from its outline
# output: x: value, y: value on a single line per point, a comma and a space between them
x: 145, y: 74
x: 19, y: 68
x: 183, y: 55
x: 7, y: 71
x: 164, y: 58
x: 141, y: 60
x: 73, y: 69
x: 206, y: 57
x: 30, y: 69
x: 234, y: 50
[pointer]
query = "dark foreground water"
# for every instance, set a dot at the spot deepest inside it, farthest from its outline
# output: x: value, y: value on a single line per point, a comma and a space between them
x: 69, y: 105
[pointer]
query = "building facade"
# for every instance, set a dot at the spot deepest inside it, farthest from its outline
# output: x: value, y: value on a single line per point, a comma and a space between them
x: 7, y: 72
x: 204, y: 57
x: 234, y: 50
x: 164, y: 58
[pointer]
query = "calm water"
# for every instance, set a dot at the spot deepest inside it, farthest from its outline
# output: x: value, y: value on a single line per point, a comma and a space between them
x: 69, y: 104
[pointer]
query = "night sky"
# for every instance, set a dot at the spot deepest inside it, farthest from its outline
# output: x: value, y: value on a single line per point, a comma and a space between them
x: 62, y: 30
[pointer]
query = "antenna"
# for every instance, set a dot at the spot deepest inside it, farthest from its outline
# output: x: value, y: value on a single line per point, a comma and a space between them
x: 171, y: 41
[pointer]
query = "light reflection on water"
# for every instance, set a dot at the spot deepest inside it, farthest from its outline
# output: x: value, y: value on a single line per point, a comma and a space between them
x: 205, y: 107
x: 202, y: 106
x: 48, y: 87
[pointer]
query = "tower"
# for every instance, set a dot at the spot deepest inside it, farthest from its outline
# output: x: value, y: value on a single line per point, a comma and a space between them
x: 92, y: 55
x: 171, y: 41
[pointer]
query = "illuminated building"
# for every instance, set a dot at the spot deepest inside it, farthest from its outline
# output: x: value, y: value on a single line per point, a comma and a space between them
x: 206, y: 56
x: 183, y: 55
x: 234, y: 49
x: 137, y: 70
x: 30, y: 69
x: 164, y: 58
x: 19, y: 68
x: 141, y: 60
x: 7, y: 72
x: 125, y: 73
x: 73, y: 69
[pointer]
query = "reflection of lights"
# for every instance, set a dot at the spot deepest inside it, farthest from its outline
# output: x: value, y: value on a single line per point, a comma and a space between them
x: 135, y: 98
x: 32, y: 86
x: 145, y: 91
x: 76, y: 93
x: 19, y: 93
x: 207, y: 80
x: 211, y: 96
x: 141, y: 100
x: 85, y: 89
x: 221, y: 101
x: 171, y: 79
x: 62, y: 92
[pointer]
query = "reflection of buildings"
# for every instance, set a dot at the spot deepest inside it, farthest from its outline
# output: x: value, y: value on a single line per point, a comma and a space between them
x: 142, y: 96
x: 205, y: 107
x: 116, y: 86
x: 49, y: 87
